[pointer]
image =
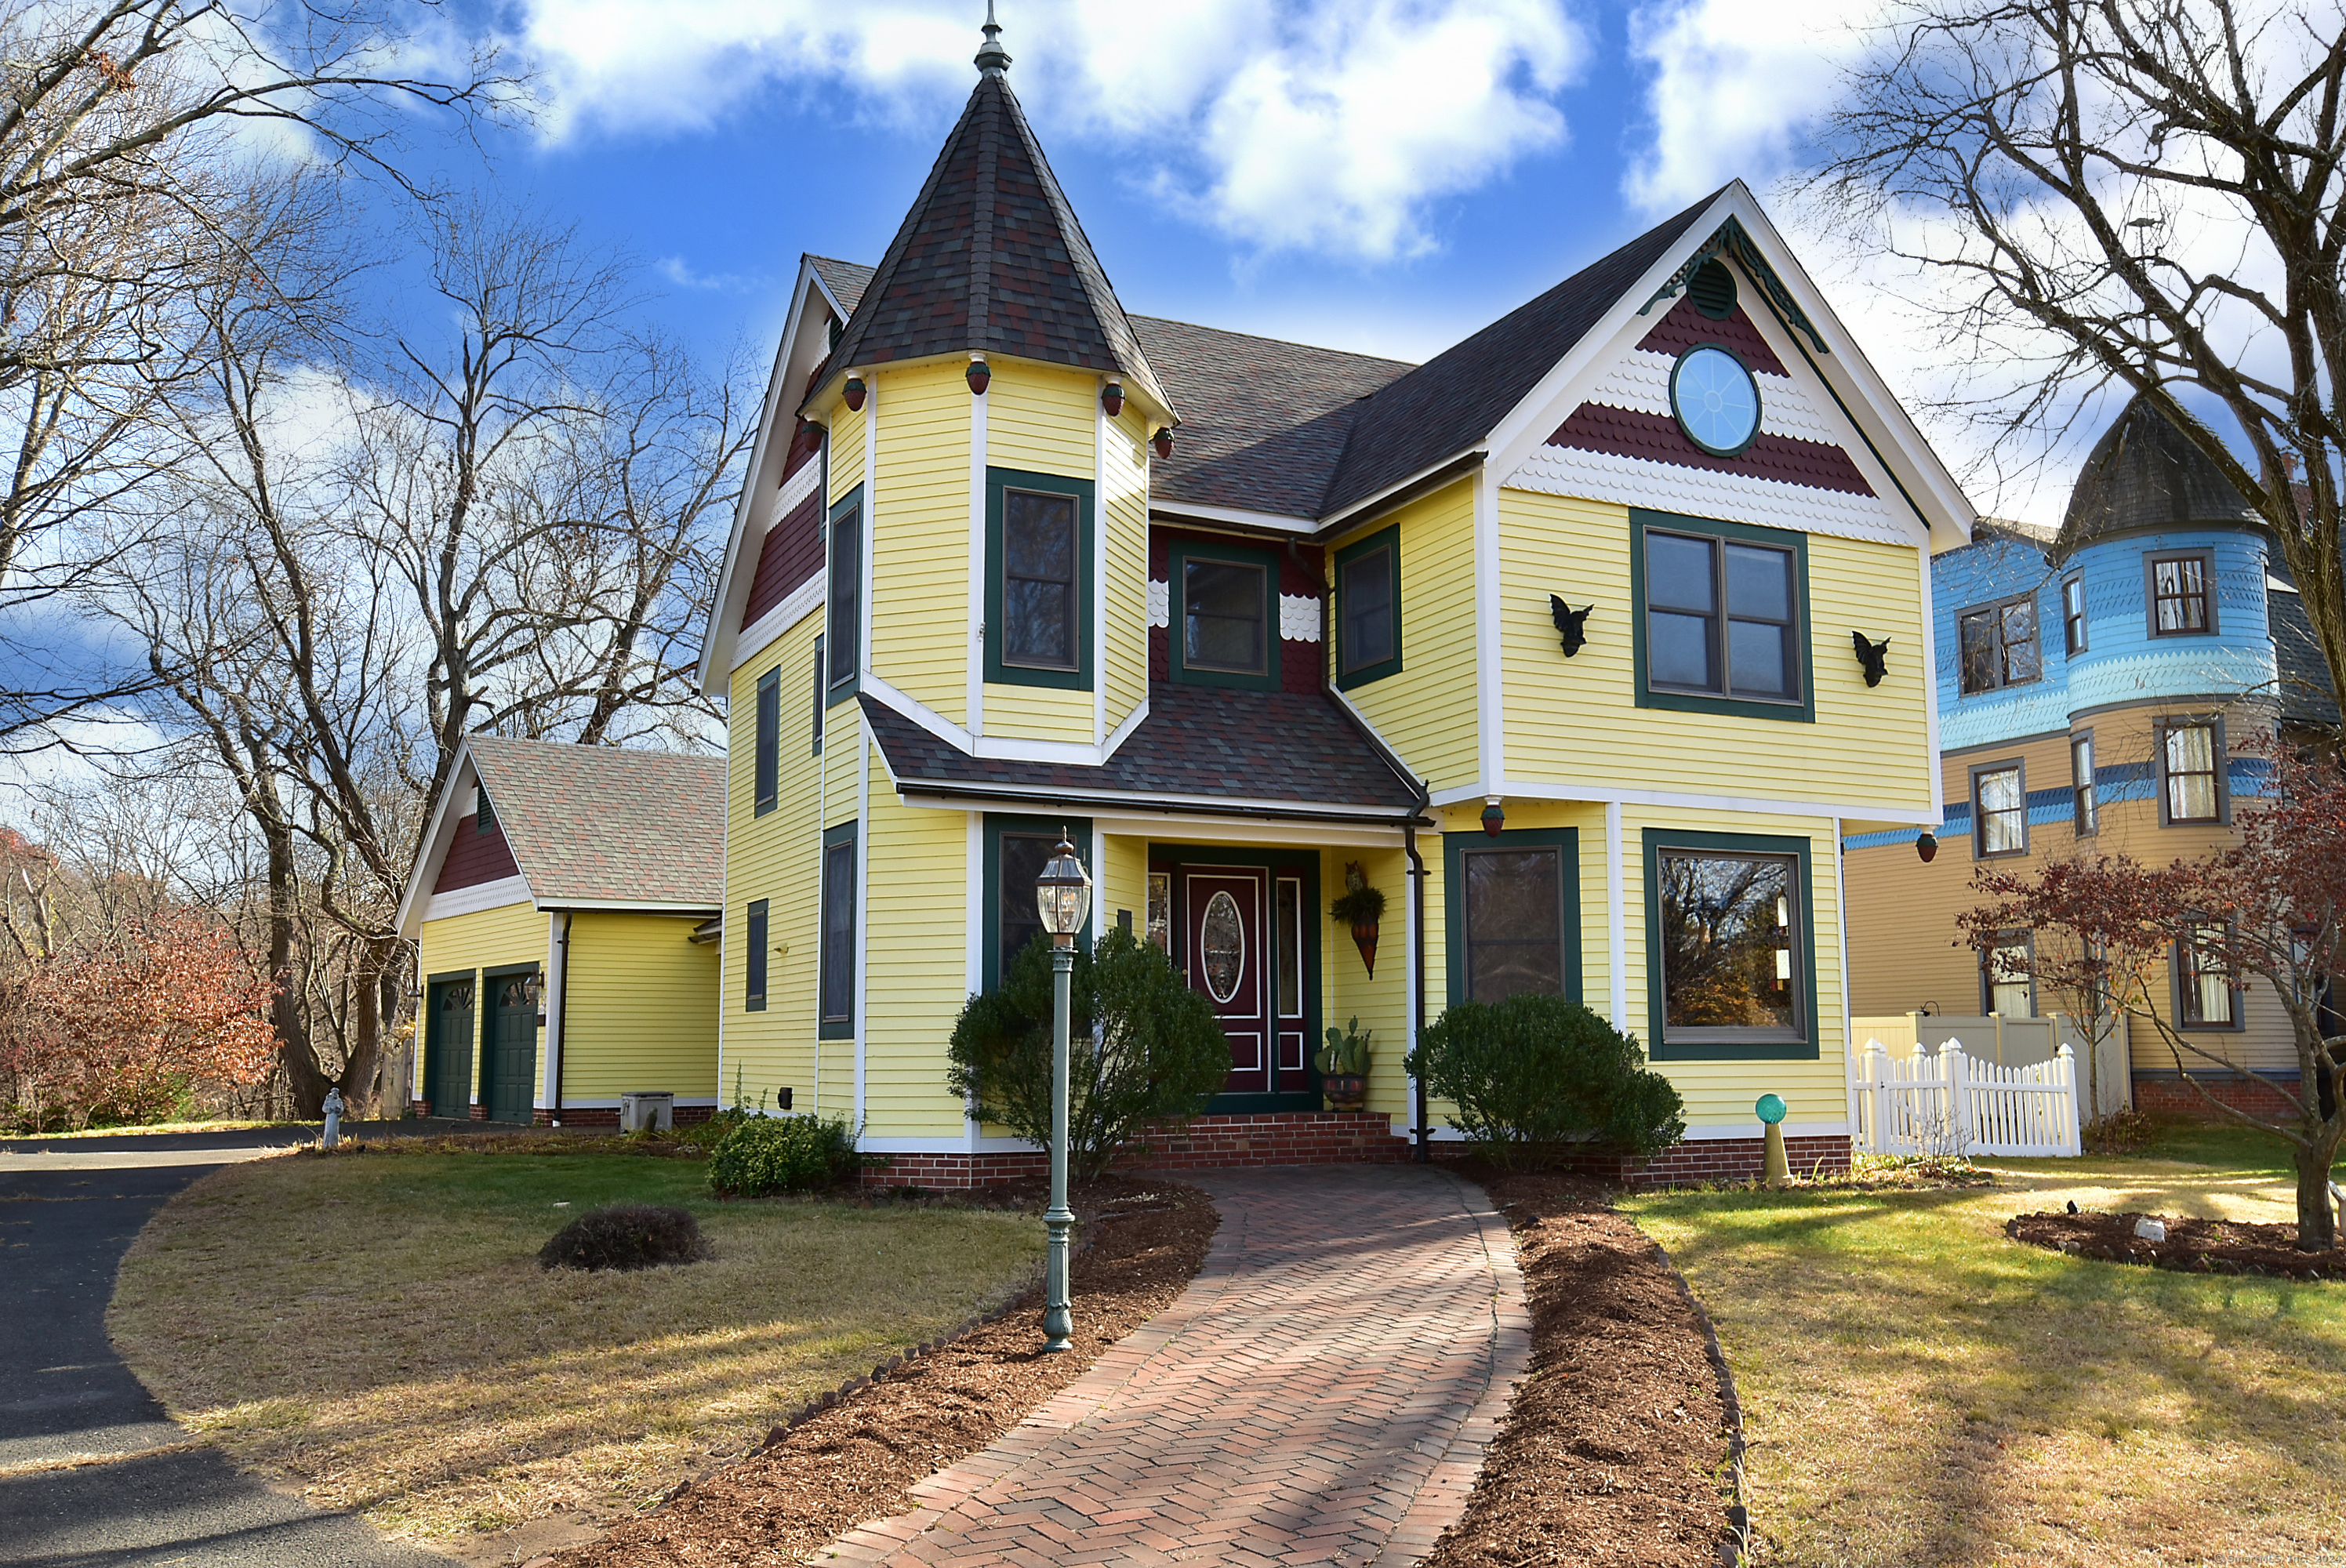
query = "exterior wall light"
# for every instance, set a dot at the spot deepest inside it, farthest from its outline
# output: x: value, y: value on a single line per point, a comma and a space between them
x: 1164, y: 442
x: 1063, y: 894
x: 1926, y: 846
x: 979, y: 374
x: 1493, y: 817
x: 855, y: 394
x: 1112, y: 398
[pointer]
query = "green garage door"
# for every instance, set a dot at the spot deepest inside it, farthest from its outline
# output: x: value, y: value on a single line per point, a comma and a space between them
x: 512, y: 1046
x: 448, y: 1048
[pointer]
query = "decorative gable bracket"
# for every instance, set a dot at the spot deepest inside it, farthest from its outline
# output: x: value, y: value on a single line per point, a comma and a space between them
x: 1733, y: 241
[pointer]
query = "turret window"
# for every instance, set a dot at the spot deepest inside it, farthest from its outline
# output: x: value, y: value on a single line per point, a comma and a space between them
x: 2181, y: 605
x: 1038, y: 587
x: 2191, y: 764
x: 1999, y: 645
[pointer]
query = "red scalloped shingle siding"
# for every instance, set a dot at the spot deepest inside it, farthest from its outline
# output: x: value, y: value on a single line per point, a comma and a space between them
x: 1655, y: 437
x: 1682, y: 327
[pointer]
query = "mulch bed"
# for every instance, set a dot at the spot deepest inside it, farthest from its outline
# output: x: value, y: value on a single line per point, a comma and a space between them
x: 855, y: 1459
x: 2192, y: 1245
x: 1617, y: 1445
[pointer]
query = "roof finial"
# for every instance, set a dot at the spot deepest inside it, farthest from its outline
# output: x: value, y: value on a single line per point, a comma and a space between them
x: 992, y: 59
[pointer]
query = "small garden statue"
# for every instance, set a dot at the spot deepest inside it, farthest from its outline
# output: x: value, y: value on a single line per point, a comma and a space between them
x: 1343, y: 1065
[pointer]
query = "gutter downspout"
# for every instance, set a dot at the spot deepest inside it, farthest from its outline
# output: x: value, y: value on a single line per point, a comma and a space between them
x: 561, y: 1013
x: 1423, y: 1133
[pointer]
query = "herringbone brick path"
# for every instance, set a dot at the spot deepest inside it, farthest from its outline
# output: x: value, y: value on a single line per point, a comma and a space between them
x: 1322, y: 1393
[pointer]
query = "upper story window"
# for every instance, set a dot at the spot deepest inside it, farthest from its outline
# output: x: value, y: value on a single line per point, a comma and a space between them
x: 1999, y: 810
x: 2191, y: 770
x: 2181, y: 604
x: 845, y: 636
x: 1038, y: 572
x: 1721, y: 617
x: 1730, y: 964
x: 2073, y: 615
x: 1368, y: 608
x: 1225, y: 615
x: 1998, y: 645
x: 2081, y: 779
x: 768, y: 753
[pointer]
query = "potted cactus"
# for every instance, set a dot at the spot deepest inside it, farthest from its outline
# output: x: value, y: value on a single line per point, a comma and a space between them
x: 1343, y: 1065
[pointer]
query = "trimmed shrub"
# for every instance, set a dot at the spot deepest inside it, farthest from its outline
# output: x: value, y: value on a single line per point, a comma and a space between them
x: 1534, y: 1072
x: 626, y: 1236
x: 758, y: 1156
x: 1142, y: 1047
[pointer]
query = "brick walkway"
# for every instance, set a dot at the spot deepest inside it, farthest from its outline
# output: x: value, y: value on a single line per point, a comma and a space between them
x: 1322, y: 1392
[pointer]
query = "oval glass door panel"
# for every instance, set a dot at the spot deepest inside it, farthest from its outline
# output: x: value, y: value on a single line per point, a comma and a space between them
x: 1222, y: 942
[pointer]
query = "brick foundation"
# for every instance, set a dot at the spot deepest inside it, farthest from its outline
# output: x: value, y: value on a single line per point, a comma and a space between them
x: 2174, y: 1097
x: 608, y: 1116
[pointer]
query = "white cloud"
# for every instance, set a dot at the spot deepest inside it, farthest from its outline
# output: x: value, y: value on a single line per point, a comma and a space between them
x: 678, y: 271
x: 1311, y: 125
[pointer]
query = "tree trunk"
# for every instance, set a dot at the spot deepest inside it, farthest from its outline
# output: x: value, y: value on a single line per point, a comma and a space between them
x: 2317, y: 1212
x: 377, y: 959
x: 305, y: 1085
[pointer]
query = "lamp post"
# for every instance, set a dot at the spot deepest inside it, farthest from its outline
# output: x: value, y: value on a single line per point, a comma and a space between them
x: 1063, y: 893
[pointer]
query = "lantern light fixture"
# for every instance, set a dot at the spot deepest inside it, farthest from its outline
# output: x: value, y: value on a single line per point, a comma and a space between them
x: 854, y: 392
x: 979, y: 374
x: 1112, y: 398
x: 1063, y: 893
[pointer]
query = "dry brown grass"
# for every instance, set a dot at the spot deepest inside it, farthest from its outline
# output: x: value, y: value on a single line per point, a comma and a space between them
x: 1921, y: 1390
x: 378, y: 1332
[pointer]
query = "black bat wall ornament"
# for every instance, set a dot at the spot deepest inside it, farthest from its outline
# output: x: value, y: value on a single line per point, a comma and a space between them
x: 1573, y: 624
x: 1874, y: 657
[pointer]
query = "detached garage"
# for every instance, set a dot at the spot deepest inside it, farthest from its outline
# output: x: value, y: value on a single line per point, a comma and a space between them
x: 564, y: 909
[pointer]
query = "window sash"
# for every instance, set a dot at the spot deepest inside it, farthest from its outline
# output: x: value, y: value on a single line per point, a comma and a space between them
x: 1696, y: 982
x: 2179, y: 595
x: 846, y: 619
x: 1514, y: 944
x: 1039, y: 630
x: 837, y: 984
x: 2193, y: 764
x: 1998, y: 646
x: 2001, y: 805
x: 2206, y: 989
x: 2081, y: 774
x: 1367, y: 591
x: 1740, y: 628
x: 2008, y: 978
x: 768, y: 766
x: 2073, y: 615
x: 1249, y: 627
x: 753, y: 958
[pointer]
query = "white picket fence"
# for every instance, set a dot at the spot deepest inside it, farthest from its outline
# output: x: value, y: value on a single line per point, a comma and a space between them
x: 1948, y: 1103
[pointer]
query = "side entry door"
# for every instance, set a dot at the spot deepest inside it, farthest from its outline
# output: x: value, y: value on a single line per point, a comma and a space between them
x: 448, y: 1048
x: 513, y: 1047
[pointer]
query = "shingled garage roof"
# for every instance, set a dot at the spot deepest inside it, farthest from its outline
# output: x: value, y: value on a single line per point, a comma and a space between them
x: 991, y: 261
x: 1459, y: 396
x: 1262, y: 421
x: 1199, y: 744
x: 606, y: 824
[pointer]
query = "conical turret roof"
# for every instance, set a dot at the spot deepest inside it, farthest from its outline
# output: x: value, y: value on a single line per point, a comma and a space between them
x: 2145, y: 473
x: 992, y: 260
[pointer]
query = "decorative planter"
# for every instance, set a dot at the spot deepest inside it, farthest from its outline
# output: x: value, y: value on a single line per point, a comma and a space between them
x: 1364, y: 937
x: 1345, y: 1091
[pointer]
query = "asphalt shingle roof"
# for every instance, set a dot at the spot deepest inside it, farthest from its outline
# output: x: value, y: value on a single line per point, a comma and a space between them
x: 845, y: 279
x: 991, y: 259
x: 601, y: 824
x: 1197, y: 740
x: 2145, y: 473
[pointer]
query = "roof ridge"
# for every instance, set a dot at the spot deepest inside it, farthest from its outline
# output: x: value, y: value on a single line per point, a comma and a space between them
x: 1267, y: 338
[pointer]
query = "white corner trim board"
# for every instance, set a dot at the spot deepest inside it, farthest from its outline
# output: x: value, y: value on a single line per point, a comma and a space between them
x: 513, y: 889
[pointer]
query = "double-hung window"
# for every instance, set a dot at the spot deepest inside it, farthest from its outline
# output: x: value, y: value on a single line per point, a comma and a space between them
x: 2191, y: 765
x: 835, y: 983
x: 2081, y: 777
x: 1368, y: 608
x: 1514, y: 926
x: 1722, y: 616
x: 1998, y: 645
x: 753, y: 958
x: 2180, y: 603
x: 1730, y: 962
x: 2007, y: 977
x: 1038, y: 587
x: 1016, y: 848
x: 2207, y: 993
x: 844, y: 637
x: 1999, y: 810
x: 768, y: 765
x: 1225, y: 615
x: 2073, y: 615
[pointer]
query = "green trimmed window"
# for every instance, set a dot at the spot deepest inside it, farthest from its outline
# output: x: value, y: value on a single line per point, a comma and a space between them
x: 836, y: 967
x: 768, y: 764
x: 845, y: 634
x: 1722, y: 616
x: 1225, y: 615
x: 1016, y: 849
x: 1730, y: 956
x: 1038, y: 579
x: 1514, y: 915
x: 753, y: 959
x: 1368, y: 608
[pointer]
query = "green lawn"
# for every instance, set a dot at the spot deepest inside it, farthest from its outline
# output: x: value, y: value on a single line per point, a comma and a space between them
x: 376, y: 1329
x: 1919, y: 1390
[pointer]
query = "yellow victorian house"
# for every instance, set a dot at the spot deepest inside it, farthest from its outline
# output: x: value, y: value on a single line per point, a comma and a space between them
x: 1570, y: 640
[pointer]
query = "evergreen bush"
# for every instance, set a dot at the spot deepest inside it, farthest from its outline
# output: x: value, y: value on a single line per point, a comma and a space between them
x: 1142, y: 1047
x: 759, y: 1155
x: 626, y: 1236
x: 1534, y: 1072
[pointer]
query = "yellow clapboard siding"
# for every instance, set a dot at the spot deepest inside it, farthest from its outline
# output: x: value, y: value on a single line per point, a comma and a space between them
x: 920, y: 546
x: 846, y: 450
x: 1348, y: 990
x: 1426, y: 712
x: 1039, y: 713
x: 1124, y: 540
x: 914, y: 926
x: 776, y: 858
x: 1577, y: 721
x: 639, y: 1008
x: 1039, y: 419
x: 510, y: 934
x: 1123, y: 875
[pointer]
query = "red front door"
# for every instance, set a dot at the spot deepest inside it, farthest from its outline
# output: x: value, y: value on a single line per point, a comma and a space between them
x: 1223, y: 943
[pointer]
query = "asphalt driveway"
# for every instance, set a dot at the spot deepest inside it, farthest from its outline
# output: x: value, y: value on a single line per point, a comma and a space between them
x: 91, y: 1471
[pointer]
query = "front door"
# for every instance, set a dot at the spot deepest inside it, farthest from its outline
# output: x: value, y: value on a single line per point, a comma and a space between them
x: 448, y: 1048
x: 1229, y: 965
x: 512, y: 1048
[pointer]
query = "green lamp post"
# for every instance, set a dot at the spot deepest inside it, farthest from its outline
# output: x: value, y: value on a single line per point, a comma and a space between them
x: 1064, y: 894
x: 1777, y: 1170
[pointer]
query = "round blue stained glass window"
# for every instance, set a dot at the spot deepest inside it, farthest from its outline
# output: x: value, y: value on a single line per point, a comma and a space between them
x: 1716, y: 400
